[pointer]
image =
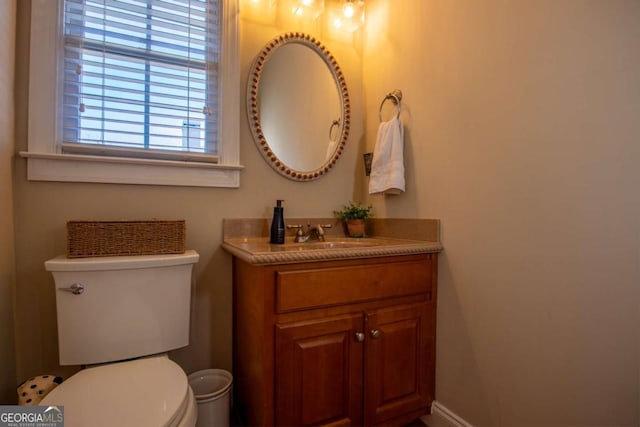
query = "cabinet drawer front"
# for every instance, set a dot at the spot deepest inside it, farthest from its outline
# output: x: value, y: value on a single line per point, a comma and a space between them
x: 314, y: 288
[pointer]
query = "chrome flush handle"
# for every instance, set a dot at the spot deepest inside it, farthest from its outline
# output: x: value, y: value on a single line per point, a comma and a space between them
x: 76, y: 289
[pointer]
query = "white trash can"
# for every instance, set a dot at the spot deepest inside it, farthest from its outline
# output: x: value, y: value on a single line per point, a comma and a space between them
x: 211, y: 388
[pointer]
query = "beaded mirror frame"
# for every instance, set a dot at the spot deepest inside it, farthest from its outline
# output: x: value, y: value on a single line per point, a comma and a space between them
x: 253, y: 109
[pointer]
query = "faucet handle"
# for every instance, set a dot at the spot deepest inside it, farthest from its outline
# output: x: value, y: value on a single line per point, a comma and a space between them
x: 299, y: 233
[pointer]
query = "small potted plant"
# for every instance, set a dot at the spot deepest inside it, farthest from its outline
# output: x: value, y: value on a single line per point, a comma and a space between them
x: 354, y: 216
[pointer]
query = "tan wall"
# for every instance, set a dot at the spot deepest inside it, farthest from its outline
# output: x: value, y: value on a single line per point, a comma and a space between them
x: 43, y: 208
x: 7, y: 275
x: 523, y: 137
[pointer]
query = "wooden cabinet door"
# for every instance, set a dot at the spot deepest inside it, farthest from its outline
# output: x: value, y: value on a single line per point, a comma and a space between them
x: 399, y: 344
x: 318, y: 378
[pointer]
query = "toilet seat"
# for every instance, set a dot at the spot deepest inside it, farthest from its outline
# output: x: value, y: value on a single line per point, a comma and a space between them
x: 150, y: 392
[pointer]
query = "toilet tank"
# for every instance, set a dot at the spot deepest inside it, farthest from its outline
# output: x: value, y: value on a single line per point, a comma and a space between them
x: 130, y: 306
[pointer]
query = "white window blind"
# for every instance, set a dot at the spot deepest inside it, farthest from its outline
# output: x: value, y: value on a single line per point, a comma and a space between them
x: 141, y: 78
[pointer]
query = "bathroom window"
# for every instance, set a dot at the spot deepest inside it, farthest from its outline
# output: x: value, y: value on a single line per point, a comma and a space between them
x: 138, y: 96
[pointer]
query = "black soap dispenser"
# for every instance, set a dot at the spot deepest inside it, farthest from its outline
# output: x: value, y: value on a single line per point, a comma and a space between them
x: 277, y: 224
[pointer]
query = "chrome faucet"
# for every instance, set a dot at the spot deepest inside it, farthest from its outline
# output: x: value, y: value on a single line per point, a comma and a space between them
x: 316, y: 231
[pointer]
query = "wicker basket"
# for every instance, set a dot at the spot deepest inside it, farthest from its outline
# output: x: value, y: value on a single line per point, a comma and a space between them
x: 109, y: 238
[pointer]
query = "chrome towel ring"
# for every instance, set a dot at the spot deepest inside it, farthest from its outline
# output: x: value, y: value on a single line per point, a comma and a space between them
x: 396, y: 97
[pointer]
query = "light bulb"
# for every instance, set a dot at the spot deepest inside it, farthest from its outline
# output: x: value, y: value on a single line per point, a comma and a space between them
x: 348, y: 10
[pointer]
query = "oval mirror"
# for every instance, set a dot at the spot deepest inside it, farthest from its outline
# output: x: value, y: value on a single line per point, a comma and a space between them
x: 298, y: 106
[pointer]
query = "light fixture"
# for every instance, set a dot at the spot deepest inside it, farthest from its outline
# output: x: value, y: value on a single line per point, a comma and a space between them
x: 349, y: 17
x: 349, y: 9
x: 307, y: 8
x: 262, y: 11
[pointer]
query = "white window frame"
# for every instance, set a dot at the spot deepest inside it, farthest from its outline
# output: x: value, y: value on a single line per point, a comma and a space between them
x: 45, y: 160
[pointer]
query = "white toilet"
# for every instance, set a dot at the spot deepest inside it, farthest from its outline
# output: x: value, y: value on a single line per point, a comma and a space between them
x: 118, y: 315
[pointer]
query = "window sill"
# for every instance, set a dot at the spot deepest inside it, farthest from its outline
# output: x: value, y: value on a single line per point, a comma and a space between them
x: 118, y: 170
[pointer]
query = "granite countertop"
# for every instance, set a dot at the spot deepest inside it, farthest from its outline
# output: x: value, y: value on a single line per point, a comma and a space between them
x: 246, y: 239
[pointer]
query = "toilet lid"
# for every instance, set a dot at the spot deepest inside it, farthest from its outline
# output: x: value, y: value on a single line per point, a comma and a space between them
x: 144, y: 392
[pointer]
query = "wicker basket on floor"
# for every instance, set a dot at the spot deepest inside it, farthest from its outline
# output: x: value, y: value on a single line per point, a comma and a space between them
x: 110, y: 238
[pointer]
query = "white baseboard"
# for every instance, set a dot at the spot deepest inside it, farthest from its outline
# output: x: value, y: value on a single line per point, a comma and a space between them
x: 439, y: 410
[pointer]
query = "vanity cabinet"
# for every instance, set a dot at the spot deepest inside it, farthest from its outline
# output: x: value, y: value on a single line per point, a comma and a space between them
x: 339, y: 343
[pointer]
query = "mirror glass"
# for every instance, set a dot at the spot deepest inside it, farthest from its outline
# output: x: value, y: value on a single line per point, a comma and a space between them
x: 298, y: 106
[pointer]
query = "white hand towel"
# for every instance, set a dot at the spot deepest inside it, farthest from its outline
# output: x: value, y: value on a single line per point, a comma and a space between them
x: 387, y: 167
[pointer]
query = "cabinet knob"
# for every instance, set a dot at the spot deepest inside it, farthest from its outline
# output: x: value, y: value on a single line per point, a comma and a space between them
x: 359, y: 336
x: 374, y: 333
